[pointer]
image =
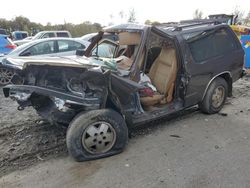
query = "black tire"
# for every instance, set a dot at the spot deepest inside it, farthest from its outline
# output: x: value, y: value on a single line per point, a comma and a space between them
x: 6, y: 74
x: 207, y: 105
x: 80, y: 125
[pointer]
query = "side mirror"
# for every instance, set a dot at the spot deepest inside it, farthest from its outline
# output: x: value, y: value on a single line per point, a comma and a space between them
x: 80, y: 52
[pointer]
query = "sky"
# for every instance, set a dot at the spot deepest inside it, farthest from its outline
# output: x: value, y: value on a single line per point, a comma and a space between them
x: 105, y: 12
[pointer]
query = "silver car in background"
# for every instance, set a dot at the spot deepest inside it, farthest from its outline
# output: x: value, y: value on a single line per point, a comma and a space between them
x: 41, y: 47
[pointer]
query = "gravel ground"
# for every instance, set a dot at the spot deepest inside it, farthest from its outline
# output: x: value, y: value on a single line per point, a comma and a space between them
x: 192, y: 150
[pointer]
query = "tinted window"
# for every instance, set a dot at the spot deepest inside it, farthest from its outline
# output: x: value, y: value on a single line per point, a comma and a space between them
x: 48, y: 35
x: 3, y: 32
x: 40, y: 49
x: 24, y: 35
x: 64, y: 46
x: 62, y: 34
x: 208, y: 44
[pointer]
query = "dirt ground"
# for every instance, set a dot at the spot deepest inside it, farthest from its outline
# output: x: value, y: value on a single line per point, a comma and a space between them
x: 25, y: 139
x: 192, y: 150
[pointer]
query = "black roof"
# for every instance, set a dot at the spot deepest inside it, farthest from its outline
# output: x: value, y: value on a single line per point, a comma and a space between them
x: 188, y: 27
x: 168, y: 28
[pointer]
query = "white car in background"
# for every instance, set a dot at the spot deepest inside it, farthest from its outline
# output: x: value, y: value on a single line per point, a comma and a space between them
x: 43, y: 35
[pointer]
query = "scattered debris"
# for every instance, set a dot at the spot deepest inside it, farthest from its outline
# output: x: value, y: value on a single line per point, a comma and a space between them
x: 20, y: 130
x: 222, y: 114
x: 15, y: 144
x: 216, y: 147
x: 40, y: 121
x: 11, y: 149
x: 175, y: 136
x: 41, y: 159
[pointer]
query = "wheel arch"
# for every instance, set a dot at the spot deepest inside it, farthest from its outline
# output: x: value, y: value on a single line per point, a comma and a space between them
x: 226, y: 75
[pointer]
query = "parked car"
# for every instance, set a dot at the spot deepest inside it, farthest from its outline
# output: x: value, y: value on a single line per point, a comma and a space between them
x: 40, y: 47
x: 3, y: 32
x: 45, y: 34
x: 19, y: 35
x: 6, y: 45
x: 102, y: 95
x: 88, y: 37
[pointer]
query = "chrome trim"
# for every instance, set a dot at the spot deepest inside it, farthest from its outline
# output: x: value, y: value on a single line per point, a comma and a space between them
x: 213, y: 80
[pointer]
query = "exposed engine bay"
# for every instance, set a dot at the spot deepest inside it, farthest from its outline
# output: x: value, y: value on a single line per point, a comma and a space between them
x: 60, y: 91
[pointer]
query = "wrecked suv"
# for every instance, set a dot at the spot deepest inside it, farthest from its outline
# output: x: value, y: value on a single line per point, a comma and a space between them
x: 147, y: 73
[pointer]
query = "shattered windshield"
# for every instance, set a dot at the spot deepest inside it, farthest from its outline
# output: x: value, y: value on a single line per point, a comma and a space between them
x: 118, y: 53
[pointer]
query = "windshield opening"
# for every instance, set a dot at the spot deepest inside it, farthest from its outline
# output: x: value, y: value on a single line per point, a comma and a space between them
x: 120, y: 48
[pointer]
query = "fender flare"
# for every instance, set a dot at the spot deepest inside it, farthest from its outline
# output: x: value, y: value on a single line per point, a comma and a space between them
x: 216, y: 76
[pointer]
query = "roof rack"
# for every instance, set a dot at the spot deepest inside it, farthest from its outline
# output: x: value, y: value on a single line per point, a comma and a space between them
x: 168, y: 24
x: 196, y: 23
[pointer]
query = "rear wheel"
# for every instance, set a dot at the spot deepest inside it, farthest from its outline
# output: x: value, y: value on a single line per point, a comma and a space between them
x: 215, y: 96
x: 96, y: 134
x: 5, y: 75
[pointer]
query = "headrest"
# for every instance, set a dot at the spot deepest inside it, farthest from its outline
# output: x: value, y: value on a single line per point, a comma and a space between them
x: 167, y: 56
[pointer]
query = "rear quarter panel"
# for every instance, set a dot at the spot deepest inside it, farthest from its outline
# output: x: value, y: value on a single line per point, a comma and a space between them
x: 200, y: 74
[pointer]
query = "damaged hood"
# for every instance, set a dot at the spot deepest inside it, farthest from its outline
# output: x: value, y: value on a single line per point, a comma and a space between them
x: 69, y: 61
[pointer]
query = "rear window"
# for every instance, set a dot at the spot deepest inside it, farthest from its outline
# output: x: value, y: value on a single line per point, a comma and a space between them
x: 62, y: 34
x: 24, y: 35
x: 209, y: 44
x: 5, y: 41
x: 3, y: 32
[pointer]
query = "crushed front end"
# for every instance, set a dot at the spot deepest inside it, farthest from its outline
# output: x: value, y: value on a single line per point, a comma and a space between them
x: 58, y: 93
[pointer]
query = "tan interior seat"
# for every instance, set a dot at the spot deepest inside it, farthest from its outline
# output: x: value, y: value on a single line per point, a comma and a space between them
x: 163, y: 75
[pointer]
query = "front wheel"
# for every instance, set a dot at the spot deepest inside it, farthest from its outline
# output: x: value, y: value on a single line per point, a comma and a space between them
x: 96, y: 134
x: 215, y: 96
x: 6, y: 75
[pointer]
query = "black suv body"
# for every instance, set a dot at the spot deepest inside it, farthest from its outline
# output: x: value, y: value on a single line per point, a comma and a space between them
x: 149, y: 73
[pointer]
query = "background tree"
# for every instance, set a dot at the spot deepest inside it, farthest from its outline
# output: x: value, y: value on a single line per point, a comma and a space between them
x: 247, y: 19
x: 148, y: 22
x: 198, y: 14
x: 239, y: 12
x: 131, y: 15
x: 24, y: 24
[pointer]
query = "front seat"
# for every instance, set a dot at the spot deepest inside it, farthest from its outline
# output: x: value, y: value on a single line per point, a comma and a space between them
x: 163, y: 75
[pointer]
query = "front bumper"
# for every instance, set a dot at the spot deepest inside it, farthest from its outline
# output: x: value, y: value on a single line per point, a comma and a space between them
x: 11, y: 90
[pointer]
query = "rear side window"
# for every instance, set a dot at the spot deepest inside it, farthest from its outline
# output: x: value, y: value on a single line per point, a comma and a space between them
x: 46, y: 47
x: 209, y: 44
x: 24, y: 35
x: 48, y: 35
x: 62, y: 34
x: 3, y: 32
x: 64, y: 46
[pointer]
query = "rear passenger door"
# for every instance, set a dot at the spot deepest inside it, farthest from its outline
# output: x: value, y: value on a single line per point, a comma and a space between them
x: 210, y: 53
